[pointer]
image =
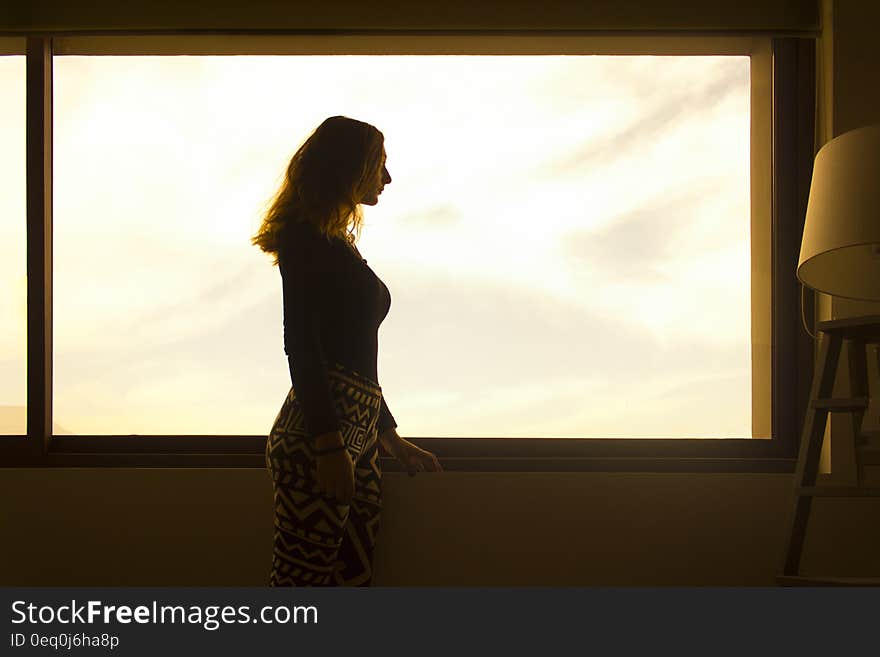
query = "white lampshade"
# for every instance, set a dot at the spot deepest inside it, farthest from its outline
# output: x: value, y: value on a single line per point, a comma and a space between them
x: 840, y: 251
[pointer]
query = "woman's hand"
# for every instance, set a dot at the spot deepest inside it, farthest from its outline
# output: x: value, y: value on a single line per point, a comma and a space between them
x: 336, y: 469
x: 413, y: 458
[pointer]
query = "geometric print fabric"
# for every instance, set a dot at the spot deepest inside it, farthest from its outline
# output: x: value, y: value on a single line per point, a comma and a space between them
x: 316, y: 540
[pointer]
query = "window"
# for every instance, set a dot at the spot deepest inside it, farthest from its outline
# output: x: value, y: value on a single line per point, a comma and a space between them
x: 567, y: 242
x: 13, y: 280
x: 579, y: 234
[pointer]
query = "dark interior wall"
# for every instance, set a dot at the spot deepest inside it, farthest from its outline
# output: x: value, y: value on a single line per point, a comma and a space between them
x: 856, y: 70
x: 851, y: 100
x: 856, y: 93
x: 214, y: 527
x: 398, y: 14
x: 119, y: 526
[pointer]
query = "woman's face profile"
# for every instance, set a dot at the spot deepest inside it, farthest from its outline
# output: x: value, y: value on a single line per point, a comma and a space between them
x: 375, y: 186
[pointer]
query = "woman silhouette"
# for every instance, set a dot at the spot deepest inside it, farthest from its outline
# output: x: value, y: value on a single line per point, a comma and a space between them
x: 322, y: 452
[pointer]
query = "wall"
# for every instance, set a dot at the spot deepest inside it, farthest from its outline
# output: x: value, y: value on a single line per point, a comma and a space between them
x: 850, y: 58
x: 214, y: 527
x: 426, y: 14
x: 109, y: 526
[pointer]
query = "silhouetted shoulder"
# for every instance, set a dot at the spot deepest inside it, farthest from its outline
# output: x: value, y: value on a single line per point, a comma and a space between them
x: 302, y: 246
x: 298, y: 235
x: 297, y: 230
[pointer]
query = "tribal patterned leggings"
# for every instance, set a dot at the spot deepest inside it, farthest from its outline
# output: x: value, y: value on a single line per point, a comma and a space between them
x: 318, y: 541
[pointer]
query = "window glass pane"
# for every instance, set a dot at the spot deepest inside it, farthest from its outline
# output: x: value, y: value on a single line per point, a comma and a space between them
x: 566, y: 241
x: 13, y: 249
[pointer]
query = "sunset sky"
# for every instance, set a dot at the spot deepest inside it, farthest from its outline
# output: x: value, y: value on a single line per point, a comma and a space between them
x: 566, y: 241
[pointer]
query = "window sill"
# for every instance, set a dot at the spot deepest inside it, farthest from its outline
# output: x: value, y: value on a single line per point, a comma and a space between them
x: 455, y: 454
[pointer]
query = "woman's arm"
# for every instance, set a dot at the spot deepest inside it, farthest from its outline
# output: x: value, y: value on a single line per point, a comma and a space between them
x: 302, y: 294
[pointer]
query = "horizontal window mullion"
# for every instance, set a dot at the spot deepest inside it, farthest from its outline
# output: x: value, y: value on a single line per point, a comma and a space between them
x: 520, y: 448
x: 450, y: 464
x: 558, y: 42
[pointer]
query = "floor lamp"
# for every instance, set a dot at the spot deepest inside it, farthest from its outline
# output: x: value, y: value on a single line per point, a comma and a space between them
x: 840, y: 256
x: 840, y: 250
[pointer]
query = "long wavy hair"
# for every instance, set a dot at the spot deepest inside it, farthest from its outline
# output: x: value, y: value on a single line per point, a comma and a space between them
x: 324, y: 183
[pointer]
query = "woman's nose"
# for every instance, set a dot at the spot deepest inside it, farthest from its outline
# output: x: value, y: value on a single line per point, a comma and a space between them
x: 386, y: 177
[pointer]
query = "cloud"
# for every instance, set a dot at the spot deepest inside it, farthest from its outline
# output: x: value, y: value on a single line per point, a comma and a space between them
x: 502, y: 354
x: 471, y: 357
x: 659, y: 110
x: 471, y: 331
x: 631, y: 245
x: 436, y: 216
x: 471, y: 342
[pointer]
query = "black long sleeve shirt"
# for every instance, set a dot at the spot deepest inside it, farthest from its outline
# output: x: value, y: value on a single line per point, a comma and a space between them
x: 333, y: 306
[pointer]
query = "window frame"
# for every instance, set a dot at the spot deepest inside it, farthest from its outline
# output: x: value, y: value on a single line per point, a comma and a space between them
x: 780, y: 177
x: 12, y: 46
